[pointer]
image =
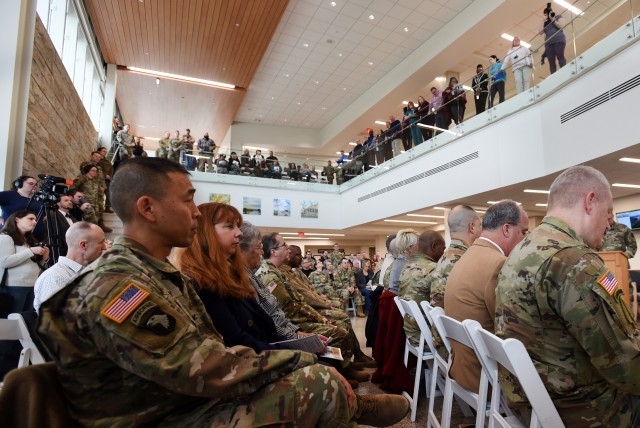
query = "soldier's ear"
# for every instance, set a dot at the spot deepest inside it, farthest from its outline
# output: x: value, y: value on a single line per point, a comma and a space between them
x: 144, y: 207
x: 589, y: 199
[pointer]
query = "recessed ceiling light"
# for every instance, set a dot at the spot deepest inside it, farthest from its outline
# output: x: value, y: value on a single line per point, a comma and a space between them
x: 237, y: 25
x: 298, y: 103
x: 351, y: 143
x: 339, y: 54
x: 440, y: 208
x: 535, y: 191
x: 634, y: 160
x: 411, y: 221
x: 568, y: 6
x: 541, y: 205
x: 286, y: 75
x: 273, y: 98
x: 441, y: 79
x: 380, y: 122
x: 406, y: 30
x: 405, y: 102
x: 510, y: 38
x: 306, y: 45
x: 333, y: 4
x: 370, y: 63
x: 324, y: 108
x: 371, y: 17
x: 495, y: 202
x: 631, y: 186
x: 317, y: 82
x: 425, y: 215
x: 344, y: 89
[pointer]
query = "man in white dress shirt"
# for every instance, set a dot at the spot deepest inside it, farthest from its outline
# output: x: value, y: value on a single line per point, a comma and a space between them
x: 85, y: 242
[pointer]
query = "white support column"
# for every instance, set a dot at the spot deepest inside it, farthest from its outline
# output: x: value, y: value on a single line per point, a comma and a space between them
x: 16, y: 51
x: 109, y: 106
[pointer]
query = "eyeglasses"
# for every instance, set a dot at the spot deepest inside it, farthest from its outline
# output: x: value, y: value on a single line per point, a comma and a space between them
x: 282, y: 245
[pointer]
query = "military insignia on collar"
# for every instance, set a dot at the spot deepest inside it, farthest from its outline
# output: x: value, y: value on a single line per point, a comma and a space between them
x: 149, y: 316
x: 272, y: 287
x: 124, y: 303
x: 608, y: 282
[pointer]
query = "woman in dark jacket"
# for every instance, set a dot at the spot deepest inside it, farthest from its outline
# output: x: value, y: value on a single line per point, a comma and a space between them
x: 215, y: 263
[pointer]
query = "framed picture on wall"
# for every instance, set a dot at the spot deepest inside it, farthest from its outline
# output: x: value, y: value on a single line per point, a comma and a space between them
x: 281, y: 207
x: 251, y: 206
x: 221, y: 198
x: 309, y: 209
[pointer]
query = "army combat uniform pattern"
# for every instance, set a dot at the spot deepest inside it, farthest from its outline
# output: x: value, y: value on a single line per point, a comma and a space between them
x: 558, y: 297
x: 415, y: 286
x: 301, y: 313
x: 342, y: 279
x: 323, y: 283
x: 134, y: 346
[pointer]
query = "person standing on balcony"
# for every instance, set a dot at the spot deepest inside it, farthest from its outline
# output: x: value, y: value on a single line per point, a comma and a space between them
x: 521, y: 61
x: 498, y: 80
x: 555, y: 40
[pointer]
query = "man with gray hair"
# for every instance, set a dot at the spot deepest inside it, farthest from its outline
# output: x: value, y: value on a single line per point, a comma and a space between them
x: 470, y: 291
x: 557, y: 296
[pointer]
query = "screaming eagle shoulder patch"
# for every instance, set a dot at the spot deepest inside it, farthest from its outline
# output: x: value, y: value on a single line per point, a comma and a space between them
x: 608, y: 282
x: 124, y: 303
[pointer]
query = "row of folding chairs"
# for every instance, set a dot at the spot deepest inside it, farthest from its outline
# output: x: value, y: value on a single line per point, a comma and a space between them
x: 492, y: 352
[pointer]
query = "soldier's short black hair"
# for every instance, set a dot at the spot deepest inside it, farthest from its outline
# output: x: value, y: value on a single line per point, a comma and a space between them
x: 140, y: 176
x: 269, y: 242
x: 87, y: 168
x: 503, y: 212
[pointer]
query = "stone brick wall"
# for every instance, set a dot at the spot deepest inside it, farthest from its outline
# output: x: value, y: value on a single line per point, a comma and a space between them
x: 59, y: 134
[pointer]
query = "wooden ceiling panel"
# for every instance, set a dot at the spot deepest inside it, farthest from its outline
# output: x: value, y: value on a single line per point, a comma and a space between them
x: 221, y: 40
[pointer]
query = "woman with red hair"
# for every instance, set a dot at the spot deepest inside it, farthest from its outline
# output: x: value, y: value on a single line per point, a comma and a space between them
x: 215, y: 263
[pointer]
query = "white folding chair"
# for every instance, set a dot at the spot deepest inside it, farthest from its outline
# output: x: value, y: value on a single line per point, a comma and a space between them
x: 351, y: 307
x: 14, y: 328
x: 424, y: 356
x: 449, y: 328
x: 512, y: 355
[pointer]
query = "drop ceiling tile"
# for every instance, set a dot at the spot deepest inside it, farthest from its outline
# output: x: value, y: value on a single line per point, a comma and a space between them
x: 352, y: 10
x: 399, y: 12
x: 381, y: 6
x: 304, y: 8
x: 344, y: 21
x: 416, y: 19
x: 445, y: 14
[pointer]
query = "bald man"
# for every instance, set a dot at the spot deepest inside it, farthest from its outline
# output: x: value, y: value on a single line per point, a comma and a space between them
x: 85, y: 242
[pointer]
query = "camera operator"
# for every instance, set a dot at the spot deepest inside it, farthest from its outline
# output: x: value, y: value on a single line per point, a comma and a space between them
x: 20, y: 198
x: 555, y: 39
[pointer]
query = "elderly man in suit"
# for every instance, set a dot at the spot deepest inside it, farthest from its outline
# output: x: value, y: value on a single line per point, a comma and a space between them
x: 470, y: 290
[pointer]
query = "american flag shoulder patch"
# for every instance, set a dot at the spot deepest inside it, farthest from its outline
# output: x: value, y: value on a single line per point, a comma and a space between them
x: 124, y: 303
x: 272, y: 287
x: 608, y: 282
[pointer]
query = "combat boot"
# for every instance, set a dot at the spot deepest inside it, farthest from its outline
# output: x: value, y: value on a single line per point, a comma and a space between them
x: 353, y: 374
x: 360, y: 312
x: 365, y: 361
x: 380, y: 410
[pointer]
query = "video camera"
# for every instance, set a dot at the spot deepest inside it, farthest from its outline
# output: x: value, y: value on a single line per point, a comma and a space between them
x: 51, y: 187
x: 549, y: 11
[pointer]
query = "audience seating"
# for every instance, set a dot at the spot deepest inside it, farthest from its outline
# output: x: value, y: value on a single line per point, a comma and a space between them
x: 512, y: 355
x: 424, y: 356
x: 351, y: 307
x: 15, y: 328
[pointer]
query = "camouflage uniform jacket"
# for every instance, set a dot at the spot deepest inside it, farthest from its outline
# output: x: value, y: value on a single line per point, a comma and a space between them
x: 100, y: 177
x: 336, y: 257
x: 134, y: 344
x: 414, y: 286
x: 163, y: 148
x: 323, y: 283
x: 620, y: 238
x: 343, y: 279
x: 270, y: 304
x: 305, y: 289
x: 558, y: 297
x: 291, y: 302
x: 89, y: 186
x: 107, y: 167
x: 437, y: 280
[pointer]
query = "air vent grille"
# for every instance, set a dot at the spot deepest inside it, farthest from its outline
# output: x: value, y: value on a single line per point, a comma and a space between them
x: 420, y: 176
x: 601, y: 99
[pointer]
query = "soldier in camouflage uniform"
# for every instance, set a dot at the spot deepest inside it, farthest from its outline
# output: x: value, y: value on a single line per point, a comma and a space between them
x: 558, y: 297
x: 297, y: 309
x: 163, y: 146
x: 336, y: 256
x: 413, y: 278
x: 330, y: 172
x: 344, y: 282
x: 107, y: 169
x: 88, y: 184
x: 134, y: 345
x: 620, y: 238
x: 175, y: 146
x: 95, y: 159
x: 322, y: 281
x: 125, y: 140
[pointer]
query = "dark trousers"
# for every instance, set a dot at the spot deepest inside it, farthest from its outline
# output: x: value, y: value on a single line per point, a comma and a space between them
x: 554, y: 51
x: 481, y: 102
x: 499, y: 88
x: 427, y: 133
x: 457, y: 112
